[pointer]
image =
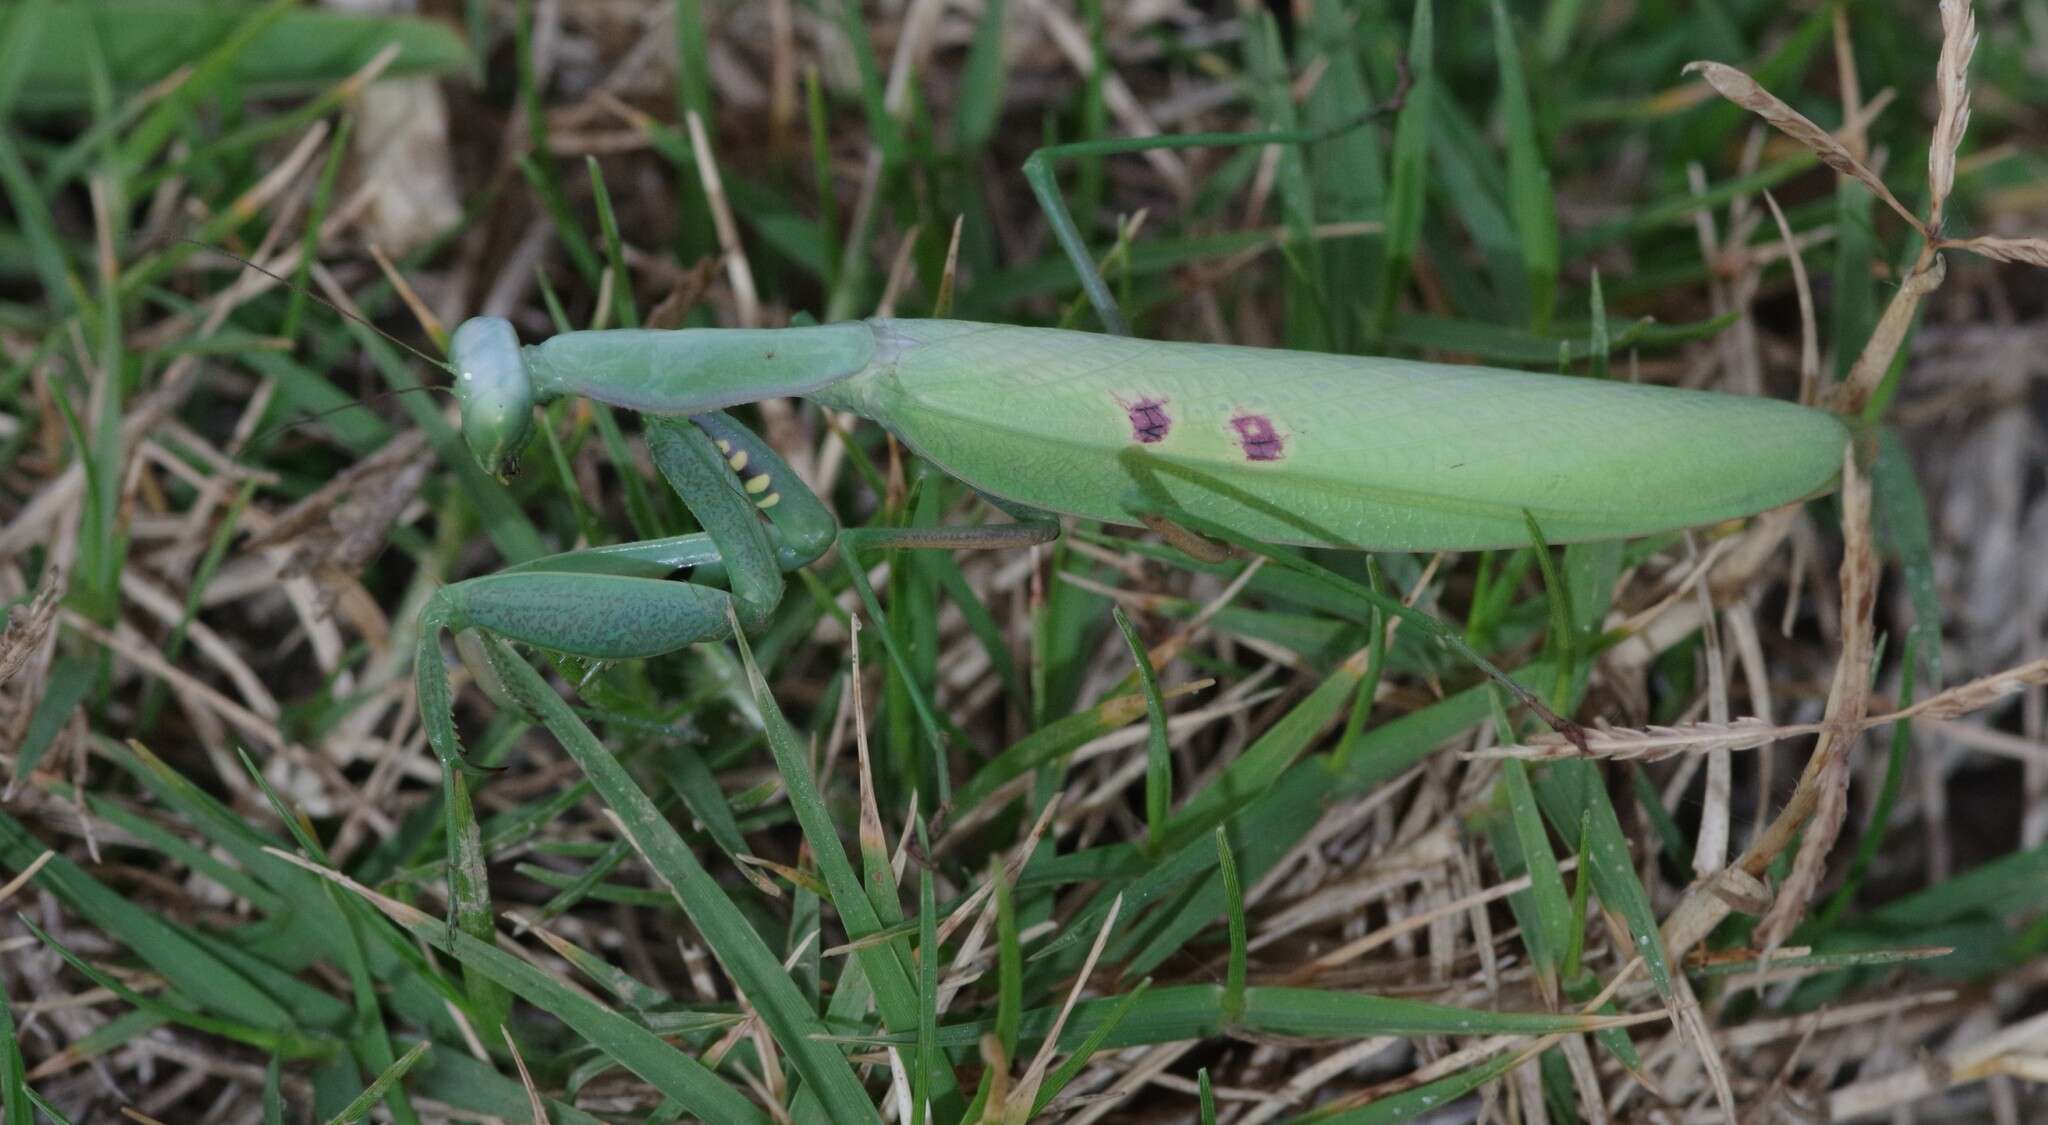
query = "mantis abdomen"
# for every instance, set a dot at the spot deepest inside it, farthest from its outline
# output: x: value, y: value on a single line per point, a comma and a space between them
x: 1316, y: 449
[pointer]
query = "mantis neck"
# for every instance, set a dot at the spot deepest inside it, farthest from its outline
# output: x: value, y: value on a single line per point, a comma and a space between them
x: 694, y: 370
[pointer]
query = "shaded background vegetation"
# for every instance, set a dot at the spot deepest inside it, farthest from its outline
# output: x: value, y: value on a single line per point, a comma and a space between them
x: 212, y: 598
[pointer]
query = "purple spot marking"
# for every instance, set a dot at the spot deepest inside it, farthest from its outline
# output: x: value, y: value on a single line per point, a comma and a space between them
x: 1258, y: 438
x: 1149, y: 422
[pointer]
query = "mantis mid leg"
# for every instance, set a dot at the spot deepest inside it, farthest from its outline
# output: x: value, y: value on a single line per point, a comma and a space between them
x: 617, y: 603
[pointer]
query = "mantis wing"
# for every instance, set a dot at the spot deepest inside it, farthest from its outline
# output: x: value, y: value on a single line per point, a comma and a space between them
x: 1330, y: 450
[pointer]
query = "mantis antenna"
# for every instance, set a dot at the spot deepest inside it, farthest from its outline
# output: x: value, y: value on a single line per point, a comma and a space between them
x: 305, y: 419
x: 305, y: 292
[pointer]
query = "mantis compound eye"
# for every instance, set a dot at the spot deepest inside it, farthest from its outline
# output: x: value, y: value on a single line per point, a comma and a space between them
x: 492, y: 386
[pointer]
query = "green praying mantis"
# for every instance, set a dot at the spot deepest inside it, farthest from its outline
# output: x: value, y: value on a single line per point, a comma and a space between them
x: 1263, y: 445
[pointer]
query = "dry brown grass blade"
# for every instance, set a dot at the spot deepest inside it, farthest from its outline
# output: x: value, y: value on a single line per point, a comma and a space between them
x: 2016, y: 1049
x: 125, y: 642
x: 1848, y: 703
x: 2029, y: 251
x: 1655, y: 743
x: 429, y: 323
x: 997, y: 1063
x: 27, y: 875
x: 873, y: 840
x: 1952, y: 87
x: 536, y: 1106
x: 1849, y: 79
x: 1744, y: 91
x: 899, y: 273
x: 1809, y: 324
x: 29, y: 626
x: 1651, y: 743
x: 337, y: 531
x: 1889, y: 336
x: 942, y: 305
x: 33, y: 520
x: 402, y: 913
x: 1979, y: 693
x: 1692, y: 1025
x: 1017, y: 1109
x: 1074, y: 43
x: 1704, y: 906
x: 1304, y: 975
x: 305, y: 516
x: 684, y: 292
x: 1169, y: 650
x: 738, y: 271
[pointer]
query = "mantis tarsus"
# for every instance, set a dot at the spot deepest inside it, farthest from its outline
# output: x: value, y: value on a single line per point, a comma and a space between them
x: 1275, y: 446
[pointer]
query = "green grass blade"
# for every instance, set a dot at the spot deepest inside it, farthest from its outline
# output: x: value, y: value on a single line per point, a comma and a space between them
x: 624, y: 313
x: 14, y: 1092
x: 298, y: 49
x: 1071, y: 1066
x: 366, y: 1101
x: 469, y: 896
x: 1902, y: 510
x: 928, y: 956
x: 740, y: 950
x: 1046, y: 745
x: 1263, y: 830
x: 634, y: 1047
x: 884, y: 964
x: 981, y: 83
x: 70, y: 679
x: 1427, y: 1099
x: 693, y: 67
x: 1266, y: 71
x: 881, y: 125
x: 21, y: 34
x: 210, y: 72
x: 372, y: 1040
x: 1009, y: 967
x: 1158, y: 758
x: 202, y: 977
x: 287, y: 1042
x: 1406, y: 179
x: 1530, y: 199
x: 1345, y: 170
x: 1550, y: 907
x: 1233, y: 901
x: 1573, y: 793
x: 1284, y: 742
x: 1168, y: 1014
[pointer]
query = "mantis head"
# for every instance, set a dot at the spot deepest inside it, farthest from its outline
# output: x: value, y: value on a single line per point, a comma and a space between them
x: 492, y: 386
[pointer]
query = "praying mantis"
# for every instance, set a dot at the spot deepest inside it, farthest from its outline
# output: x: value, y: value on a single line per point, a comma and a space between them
x: 1281, y: 447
